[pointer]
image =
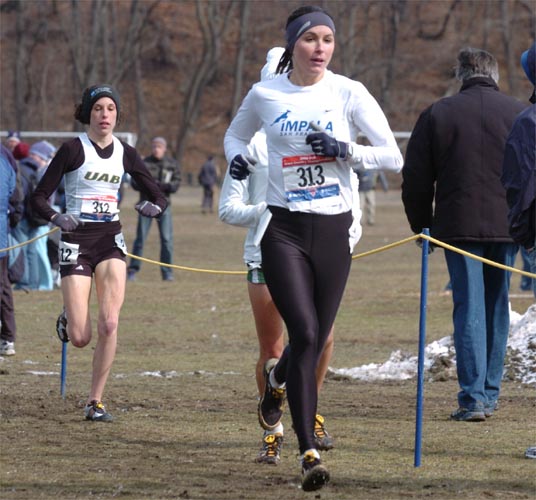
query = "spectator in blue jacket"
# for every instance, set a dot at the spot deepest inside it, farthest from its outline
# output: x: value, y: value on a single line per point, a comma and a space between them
x: 519, y: 171
x: 519, y: 177
x: 37, y: 270
x: 8, y: 180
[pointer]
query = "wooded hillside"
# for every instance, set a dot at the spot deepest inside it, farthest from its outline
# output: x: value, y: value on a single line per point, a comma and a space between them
x: 182, y: 67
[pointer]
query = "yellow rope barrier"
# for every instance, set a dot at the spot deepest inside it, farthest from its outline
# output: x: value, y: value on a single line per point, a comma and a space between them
x: 386, y: 247
x: 184, y: 268
x: 18, y: 245
x: 357, y: 256
x: 476, y: 257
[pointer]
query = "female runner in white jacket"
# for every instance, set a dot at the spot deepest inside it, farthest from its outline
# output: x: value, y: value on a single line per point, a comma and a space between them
x: 305, y: 251
x: 242, y: 203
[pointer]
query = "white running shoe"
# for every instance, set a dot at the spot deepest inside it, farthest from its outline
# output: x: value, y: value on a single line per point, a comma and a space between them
x: 7, y: 348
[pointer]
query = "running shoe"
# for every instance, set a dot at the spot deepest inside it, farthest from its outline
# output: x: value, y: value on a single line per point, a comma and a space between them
x: 530, y: 452
x: 7, y: 348
x: 271, y: 403
x: 467, y: 415
x: 271, y: 449
x: 314, y: 474
x: 323, y: 440
x: 96, y: 412
x: 61, y: 326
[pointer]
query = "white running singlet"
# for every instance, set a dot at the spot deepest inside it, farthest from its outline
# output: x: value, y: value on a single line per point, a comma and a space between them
x: 92, y: 191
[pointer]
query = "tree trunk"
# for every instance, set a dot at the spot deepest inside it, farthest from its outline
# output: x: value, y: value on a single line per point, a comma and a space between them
x: 213, y: 25
x: 240, y: 56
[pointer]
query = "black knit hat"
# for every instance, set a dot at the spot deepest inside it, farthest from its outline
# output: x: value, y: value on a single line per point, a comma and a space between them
x: 92, y: 95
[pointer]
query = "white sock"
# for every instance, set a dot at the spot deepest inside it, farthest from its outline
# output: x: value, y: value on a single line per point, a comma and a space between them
x: 278, y: 430
x: 274, y: 383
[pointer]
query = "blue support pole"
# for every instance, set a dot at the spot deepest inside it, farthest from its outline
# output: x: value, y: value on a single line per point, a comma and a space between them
x: 63, y: 374
x: 422, y: 343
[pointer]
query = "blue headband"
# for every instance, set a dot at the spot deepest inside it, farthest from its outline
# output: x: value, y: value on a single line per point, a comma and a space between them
x: 303, y: 23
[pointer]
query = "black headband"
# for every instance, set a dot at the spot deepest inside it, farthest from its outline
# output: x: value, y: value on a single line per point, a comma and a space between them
x: 92, y: 95
x: 301, y: 24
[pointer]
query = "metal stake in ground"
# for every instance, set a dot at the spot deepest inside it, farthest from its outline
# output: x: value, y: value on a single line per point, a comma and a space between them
x: 63, y: 373
x: 422, y: 343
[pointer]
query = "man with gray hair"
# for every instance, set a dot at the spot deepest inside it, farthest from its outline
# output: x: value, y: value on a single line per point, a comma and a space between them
x: 451, y: 184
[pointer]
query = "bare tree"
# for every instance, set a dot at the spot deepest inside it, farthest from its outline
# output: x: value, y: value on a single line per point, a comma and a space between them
x: 440, y: 33
x: 90, y: 52
x: 403, y: 51
x: 29, y: 84
x: 511, y: 61
x: 20, y: 63
x: 245, y: 8
x: 392, y: 13
x: 347, y: 35
x: 213, y: 19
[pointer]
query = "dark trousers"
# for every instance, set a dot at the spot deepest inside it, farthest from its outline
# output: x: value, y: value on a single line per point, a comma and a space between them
x: 8, y: 329
x: 306, y: 260
x: 208, y: 198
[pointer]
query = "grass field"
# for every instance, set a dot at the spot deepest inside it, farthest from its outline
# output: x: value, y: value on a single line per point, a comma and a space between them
x: 183, y: 393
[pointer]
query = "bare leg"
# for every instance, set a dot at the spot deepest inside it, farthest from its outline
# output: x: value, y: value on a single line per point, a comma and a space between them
x: 110, y: 278
x: 323, y: 362
x: 269, y: 326
x: 76, y: 291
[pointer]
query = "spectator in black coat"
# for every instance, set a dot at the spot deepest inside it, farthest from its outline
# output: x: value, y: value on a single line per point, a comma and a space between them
x: 451, y: 184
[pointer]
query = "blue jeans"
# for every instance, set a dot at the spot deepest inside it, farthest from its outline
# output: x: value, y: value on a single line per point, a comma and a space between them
x: 165, y: 228
x: 481, y: 319
x: 37, y: 267
x: 526, y: 282
x: 531, y: 258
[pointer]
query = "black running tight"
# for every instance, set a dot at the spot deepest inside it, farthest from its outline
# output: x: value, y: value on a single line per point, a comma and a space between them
x: 306, y: 260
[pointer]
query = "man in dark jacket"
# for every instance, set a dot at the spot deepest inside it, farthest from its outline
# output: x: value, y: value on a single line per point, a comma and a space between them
x: 165, y: 170
x: 451, y: 184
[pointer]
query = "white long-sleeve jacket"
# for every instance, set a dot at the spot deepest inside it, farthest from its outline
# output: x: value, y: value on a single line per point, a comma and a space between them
x: 243, y: 203
x: 297, y: 179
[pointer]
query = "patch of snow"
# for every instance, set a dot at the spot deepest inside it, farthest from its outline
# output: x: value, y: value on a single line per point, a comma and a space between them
x: 440, y: 357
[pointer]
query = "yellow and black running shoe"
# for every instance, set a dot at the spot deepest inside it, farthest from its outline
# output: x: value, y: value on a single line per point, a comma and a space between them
x: 271, y: 449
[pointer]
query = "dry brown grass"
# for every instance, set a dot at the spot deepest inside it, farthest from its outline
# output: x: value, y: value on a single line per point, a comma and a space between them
x: 194, y: 434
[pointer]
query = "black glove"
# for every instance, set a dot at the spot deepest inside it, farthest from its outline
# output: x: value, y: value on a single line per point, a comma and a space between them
x: 148, y: 209
x: 67, y: 222
x: 431, y: 246
x: 325, y: 145
x: 241, y: 166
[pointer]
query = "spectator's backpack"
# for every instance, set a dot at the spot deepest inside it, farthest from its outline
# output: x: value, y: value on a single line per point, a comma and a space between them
x: 30, y: 215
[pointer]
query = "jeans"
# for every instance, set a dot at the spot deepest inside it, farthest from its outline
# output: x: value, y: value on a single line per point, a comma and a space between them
x: 165, y: 228
x: 481, y: 319
x: 526, y: 282
x: 37, y: 267
x: 531, y: 258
